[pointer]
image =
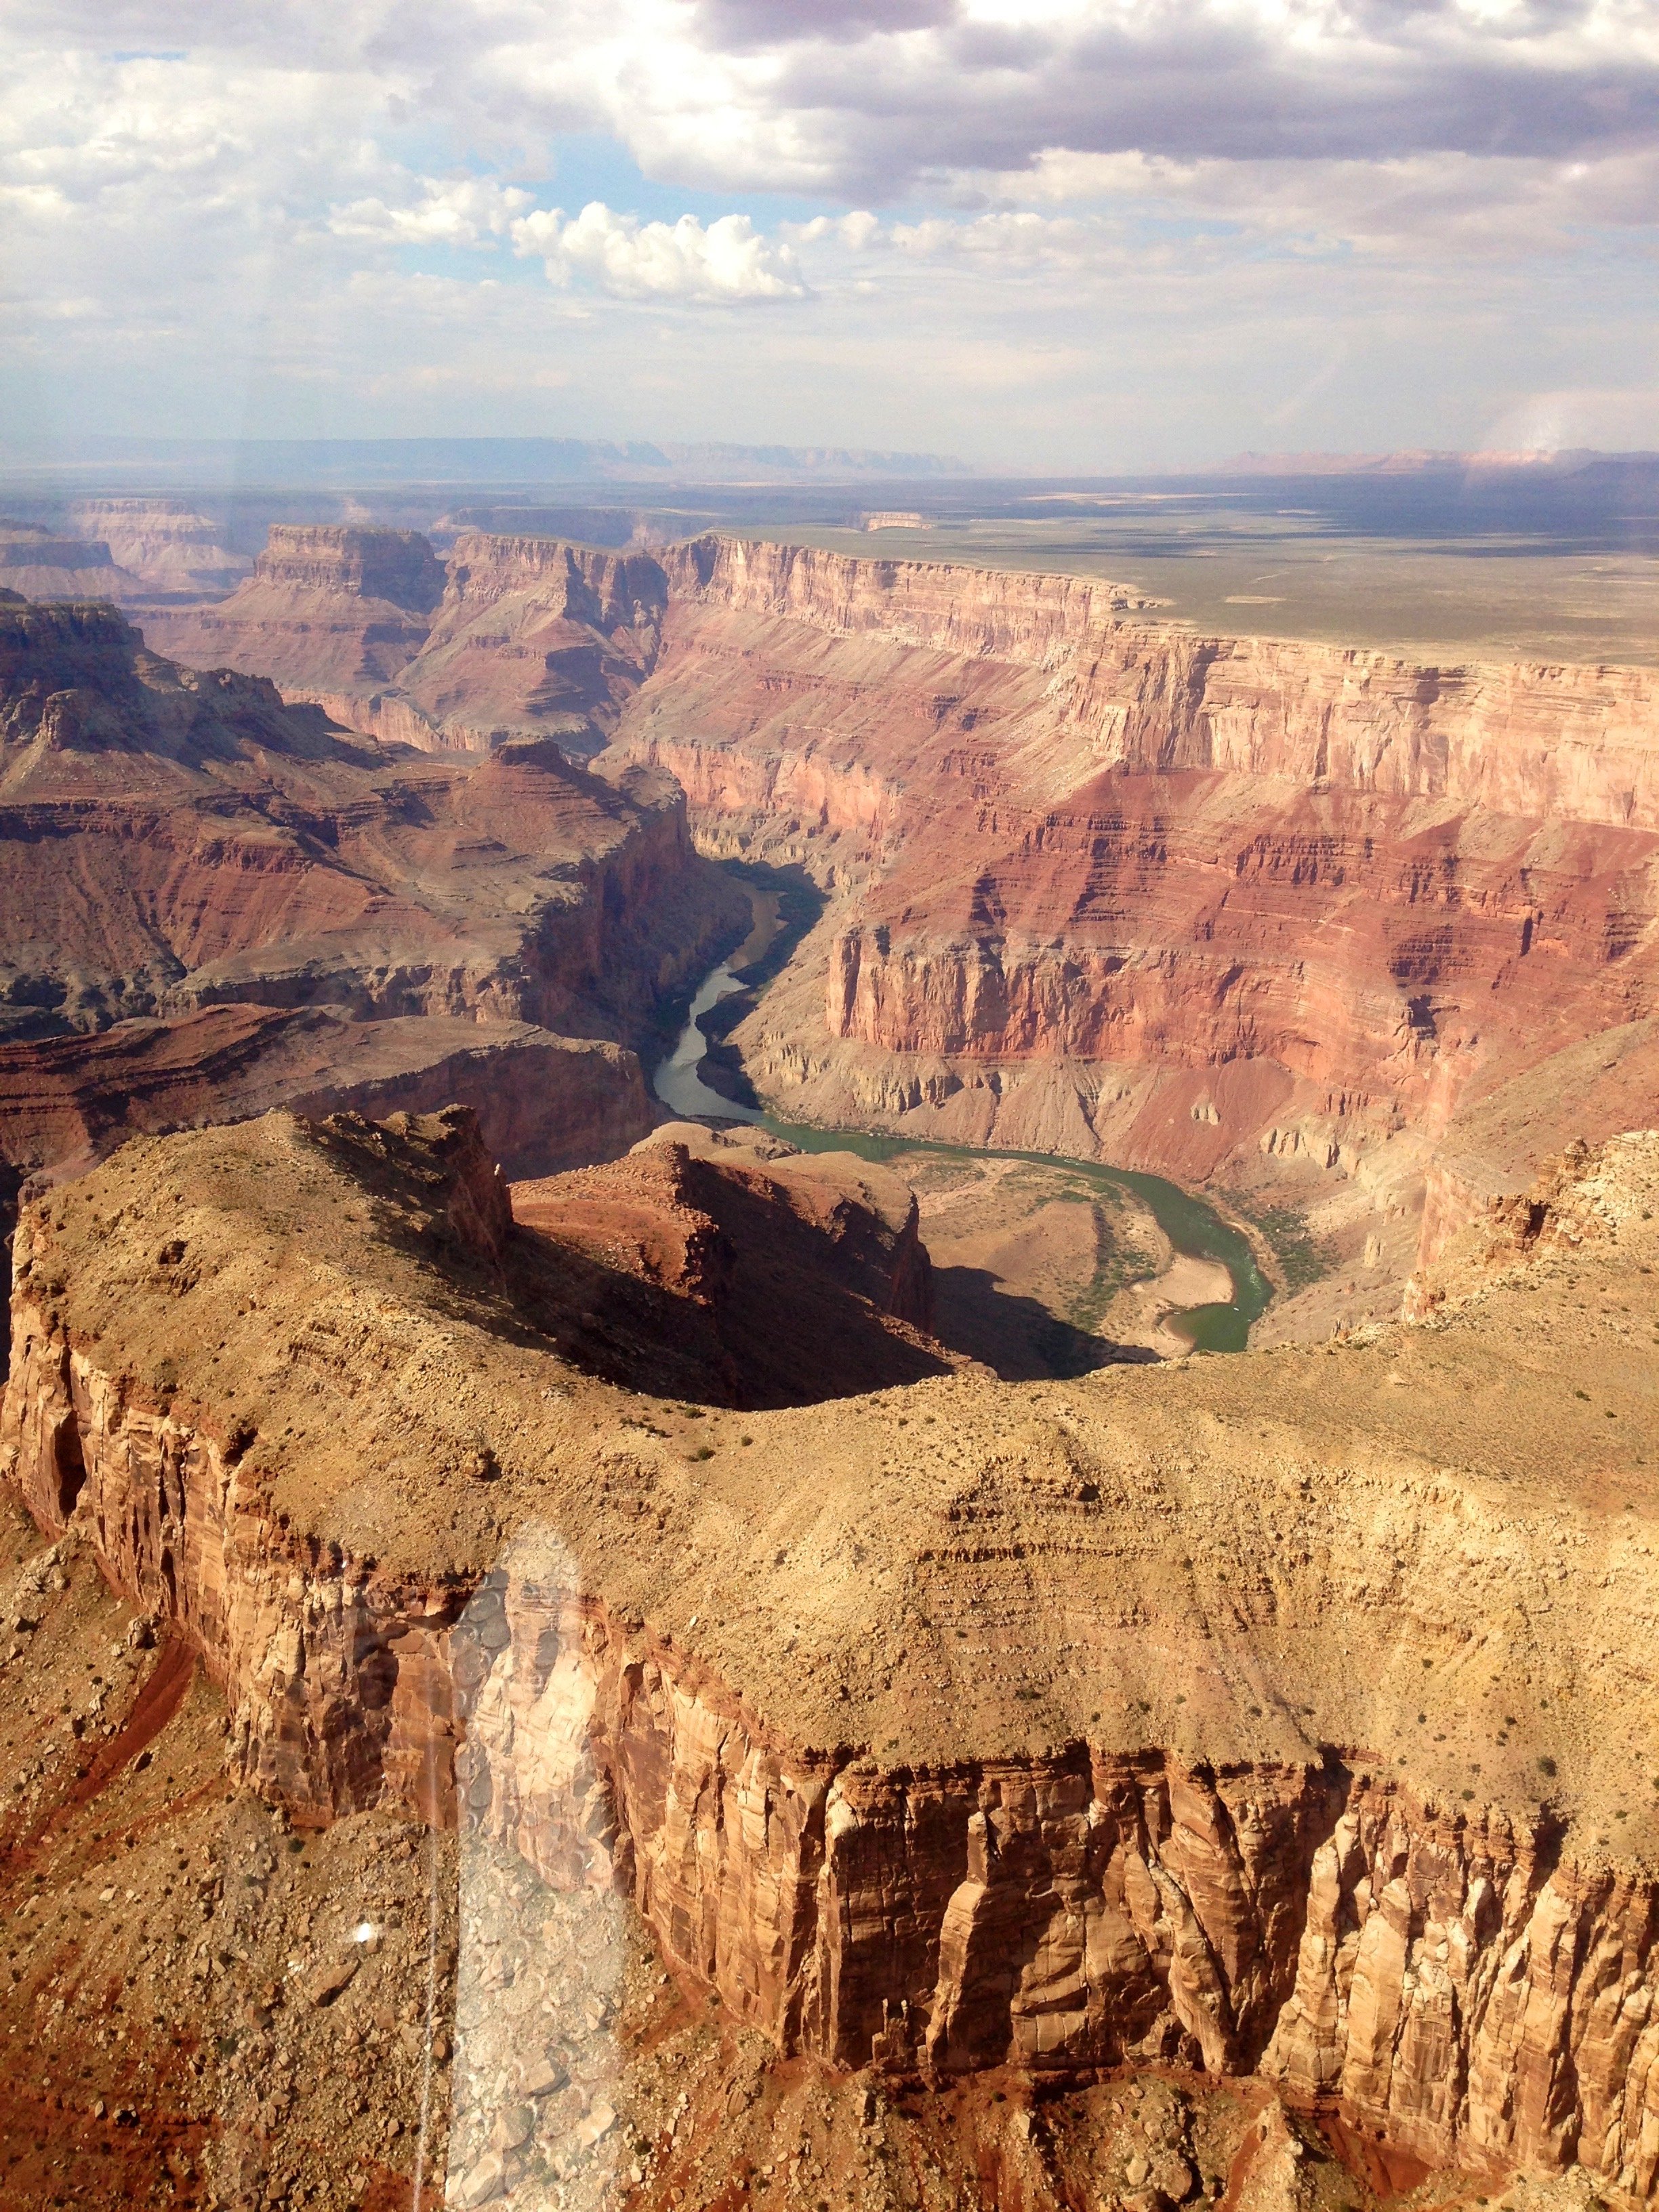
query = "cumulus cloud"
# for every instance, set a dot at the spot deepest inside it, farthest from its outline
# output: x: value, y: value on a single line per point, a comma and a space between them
x: 1114, y: 198
x: 878, y: 103
x: 727, y: 263
x: 463, y: 211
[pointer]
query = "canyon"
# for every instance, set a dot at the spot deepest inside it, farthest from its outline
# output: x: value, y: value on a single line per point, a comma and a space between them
x: 1263, y: 915
x: 1161, y: 1780
x: 212, y: 901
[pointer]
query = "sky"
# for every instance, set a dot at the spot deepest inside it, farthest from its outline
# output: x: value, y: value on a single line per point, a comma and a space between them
x: 1064, y: 236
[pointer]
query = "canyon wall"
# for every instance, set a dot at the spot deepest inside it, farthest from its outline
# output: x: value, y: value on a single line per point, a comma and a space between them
x: 1580, y: 742
x: 1241, y: 909
x: 179, y: 841
x: 536, y: 636
x: 1455, y: 1986
x: 329, y: 609
x: 513, y: 636
x: 1462, y: 1974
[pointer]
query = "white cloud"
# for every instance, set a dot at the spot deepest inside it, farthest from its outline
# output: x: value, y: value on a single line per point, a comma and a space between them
x: 1042, y: 222
x: 727, y: 263
x: 464, y: 211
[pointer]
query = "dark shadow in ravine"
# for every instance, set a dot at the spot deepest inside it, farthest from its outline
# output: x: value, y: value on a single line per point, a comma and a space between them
x: 1019, y: 1338
x: 795, y: 902
x: 768, y: 1318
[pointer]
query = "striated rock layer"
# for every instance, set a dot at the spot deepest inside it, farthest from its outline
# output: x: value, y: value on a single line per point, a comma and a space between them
x: 174, y: 552
x: 514, y: 636
x: 44, y: 564
x: 544, y: 1102
x: 178, y: 840
x: 731, y: 1269
x: 1291, y: 1711
x: 330, y: 608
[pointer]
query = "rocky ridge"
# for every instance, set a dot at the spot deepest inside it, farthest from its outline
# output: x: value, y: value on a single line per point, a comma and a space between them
x: 1284, y: 1712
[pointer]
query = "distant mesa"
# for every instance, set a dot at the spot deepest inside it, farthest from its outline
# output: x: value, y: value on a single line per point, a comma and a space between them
x: 503, y: 463
x: 1436, y: 461
x: 45, y: 564
x: 174, y: 552
x: 329, y: 610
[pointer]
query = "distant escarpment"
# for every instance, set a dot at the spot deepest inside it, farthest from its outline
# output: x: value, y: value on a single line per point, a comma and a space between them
x: 1288, y: 1714
x: 47, y: 564
x: 514, y: 636
x: 329, y: 609
x: 174, y: 552
x: 212, y: 902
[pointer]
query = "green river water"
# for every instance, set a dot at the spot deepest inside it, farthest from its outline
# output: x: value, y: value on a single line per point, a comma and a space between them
x: 1191, y: 1226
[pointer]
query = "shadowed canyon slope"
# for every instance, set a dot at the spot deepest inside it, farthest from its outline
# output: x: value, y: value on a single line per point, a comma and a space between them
x: 731, y: 1270
x: 1289, y: 1713
x: 266, y: 906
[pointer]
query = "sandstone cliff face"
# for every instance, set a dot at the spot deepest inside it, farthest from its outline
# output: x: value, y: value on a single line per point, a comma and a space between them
x: 988, y: 613
x: 1527, y: 739
x: 536, y: 636
x: 1461, y: 1989
x: 1465, y: 1992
